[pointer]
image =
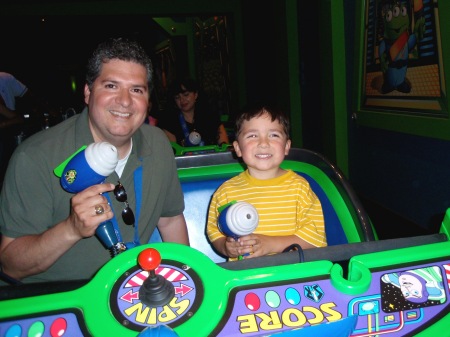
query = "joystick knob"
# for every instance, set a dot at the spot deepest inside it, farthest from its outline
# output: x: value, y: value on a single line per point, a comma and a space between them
x: 156, y: 290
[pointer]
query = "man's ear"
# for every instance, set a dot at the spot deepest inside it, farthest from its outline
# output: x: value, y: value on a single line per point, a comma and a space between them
x: 87, y: 93
x: 237, y: 149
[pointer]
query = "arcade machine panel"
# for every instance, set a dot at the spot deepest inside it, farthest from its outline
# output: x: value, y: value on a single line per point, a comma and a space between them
x: 224, y: 300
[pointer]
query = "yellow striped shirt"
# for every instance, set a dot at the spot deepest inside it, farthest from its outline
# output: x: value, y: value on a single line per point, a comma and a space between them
x: 286, y: 205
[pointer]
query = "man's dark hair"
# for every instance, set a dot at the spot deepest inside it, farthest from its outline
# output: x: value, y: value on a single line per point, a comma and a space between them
x: 121, y: 49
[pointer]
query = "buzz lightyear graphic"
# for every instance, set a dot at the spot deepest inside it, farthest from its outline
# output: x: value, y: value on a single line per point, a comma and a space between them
x: 418, y: 285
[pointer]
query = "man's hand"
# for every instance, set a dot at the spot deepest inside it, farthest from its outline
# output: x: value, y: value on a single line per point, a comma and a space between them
x: 83, y: 217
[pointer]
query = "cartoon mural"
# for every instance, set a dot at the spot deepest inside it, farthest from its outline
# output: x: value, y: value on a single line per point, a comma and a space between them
x: 402, y: 55
x: 398, y: 43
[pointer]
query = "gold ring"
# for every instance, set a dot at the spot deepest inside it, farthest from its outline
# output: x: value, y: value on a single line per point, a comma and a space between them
x: 99, y: 209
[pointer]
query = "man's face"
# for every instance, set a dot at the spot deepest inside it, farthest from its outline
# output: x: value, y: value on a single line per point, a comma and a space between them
x: 118, y: 101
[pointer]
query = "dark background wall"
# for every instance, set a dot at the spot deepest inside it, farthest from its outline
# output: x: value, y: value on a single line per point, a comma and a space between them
x: 53, y: 51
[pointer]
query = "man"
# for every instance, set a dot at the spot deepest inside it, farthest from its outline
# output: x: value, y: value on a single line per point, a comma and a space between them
x: 48, y: 233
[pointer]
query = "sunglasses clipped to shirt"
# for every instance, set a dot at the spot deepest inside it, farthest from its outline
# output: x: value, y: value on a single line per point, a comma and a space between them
x: 127, y: 213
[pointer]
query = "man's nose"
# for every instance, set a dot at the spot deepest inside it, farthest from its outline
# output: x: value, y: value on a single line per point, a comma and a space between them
x: 124, y: 98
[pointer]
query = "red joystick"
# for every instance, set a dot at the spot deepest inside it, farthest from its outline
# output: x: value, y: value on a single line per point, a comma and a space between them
x: 156, y: 290
x: 149, y: 259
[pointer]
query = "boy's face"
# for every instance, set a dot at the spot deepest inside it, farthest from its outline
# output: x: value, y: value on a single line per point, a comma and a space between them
x: 262, y: 144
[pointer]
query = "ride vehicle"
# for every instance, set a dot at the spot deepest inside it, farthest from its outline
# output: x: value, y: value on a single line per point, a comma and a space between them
x: 357, y: 286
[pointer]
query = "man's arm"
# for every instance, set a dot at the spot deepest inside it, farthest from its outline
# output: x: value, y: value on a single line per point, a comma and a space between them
x: 5, y: 112
x: 174, y: 229
x: 12, y: 117
x: 32, y: 254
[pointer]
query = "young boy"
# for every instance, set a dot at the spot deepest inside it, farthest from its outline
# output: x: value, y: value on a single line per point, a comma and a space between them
x: 289, y: 211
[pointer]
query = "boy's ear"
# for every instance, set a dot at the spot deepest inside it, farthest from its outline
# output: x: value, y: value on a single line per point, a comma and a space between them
x: 287, y: 147
x: 237, y: 149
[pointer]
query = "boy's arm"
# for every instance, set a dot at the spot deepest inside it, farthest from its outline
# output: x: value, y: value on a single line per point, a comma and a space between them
x: 311, y: 223
x: 212, y: 229
x: 226, y: 246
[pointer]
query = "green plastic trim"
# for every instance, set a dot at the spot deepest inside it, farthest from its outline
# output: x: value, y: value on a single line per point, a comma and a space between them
x: 221, y: 208
x: 182, y: 150
x: 58, y: 171
x: 359, y: 280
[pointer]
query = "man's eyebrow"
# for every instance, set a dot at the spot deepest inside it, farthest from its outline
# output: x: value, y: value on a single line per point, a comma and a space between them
x: 108, y: 80
x: 144, y: 86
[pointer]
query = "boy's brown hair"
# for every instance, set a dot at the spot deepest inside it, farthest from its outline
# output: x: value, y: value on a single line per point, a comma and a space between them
x: 259, y: 109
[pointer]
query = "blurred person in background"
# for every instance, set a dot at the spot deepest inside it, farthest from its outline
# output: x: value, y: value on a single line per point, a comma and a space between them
x: 187, y: 112
x: 11, y: 120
